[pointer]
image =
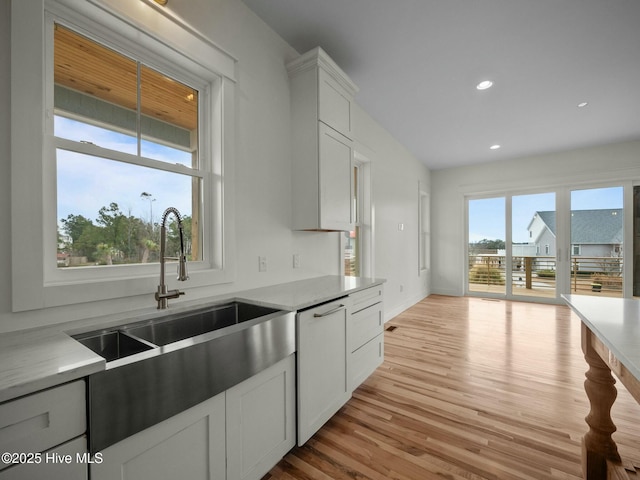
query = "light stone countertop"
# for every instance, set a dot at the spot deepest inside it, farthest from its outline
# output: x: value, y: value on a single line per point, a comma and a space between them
x: 616, y: 323
x: 36, y: 359
x: 307, y: 293
x: 41, y: 358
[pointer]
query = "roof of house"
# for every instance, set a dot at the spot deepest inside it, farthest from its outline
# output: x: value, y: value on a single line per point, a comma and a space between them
x: 590, y: 226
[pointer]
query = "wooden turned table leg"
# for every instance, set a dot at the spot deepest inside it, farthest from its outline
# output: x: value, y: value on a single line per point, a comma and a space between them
x: 597, y: 444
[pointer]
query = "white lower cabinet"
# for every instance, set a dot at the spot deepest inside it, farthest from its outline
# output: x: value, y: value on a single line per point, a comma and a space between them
x: 322, y: 365
x: 365, y: 360
x: 45, y: 431
x: 365, y: 334
x: 65, y: 462
x: 238, y: 434
x: 190, y: 445
x: 261, y: 421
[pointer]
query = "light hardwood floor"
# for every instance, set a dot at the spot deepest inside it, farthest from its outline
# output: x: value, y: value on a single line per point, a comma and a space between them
x: 470, y: 389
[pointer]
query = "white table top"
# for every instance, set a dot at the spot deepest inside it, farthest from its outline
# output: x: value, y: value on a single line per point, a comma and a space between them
x: 616, y: 323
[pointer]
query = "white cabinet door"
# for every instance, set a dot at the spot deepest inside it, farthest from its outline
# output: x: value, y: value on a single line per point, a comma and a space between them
x: 365, y: 333
x: 334, y: 104
x: 322, y: 366
x: 365, y: 360
x: 190, y: 445
x: 322, y: 121
x: 40, y: 421
x: 261, y: 421
x: 336, y: 179
x: 65, y: 462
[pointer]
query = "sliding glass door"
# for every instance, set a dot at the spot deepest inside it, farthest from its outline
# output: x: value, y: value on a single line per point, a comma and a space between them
x: 597, y: 239
x: 486, y: 252
x: 533, y: 245
x: 526, y: 247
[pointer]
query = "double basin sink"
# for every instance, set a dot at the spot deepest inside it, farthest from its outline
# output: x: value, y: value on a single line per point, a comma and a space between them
x: 157, y: 368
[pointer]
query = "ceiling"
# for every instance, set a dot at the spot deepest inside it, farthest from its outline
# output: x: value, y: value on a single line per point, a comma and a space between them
x: 417, y: 63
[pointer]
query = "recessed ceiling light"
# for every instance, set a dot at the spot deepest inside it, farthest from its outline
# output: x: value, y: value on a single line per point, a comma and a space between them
x: 583, y: 104
x: 494, y: 147
x: 484, y: 85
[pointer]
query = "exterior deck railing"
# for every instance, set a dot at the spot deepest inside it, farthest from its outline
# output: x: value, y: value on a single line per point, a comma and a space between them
x: 536, y: 275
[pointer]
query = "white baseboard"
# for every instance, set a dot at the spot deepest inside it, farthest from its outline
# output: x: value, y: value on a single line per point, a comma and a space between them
x: 447, y: 292
x: 389, y: 313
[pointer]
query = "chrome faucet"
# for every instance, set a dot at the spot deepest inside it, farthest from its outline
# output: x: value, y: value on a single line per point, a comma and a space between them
x: 162, y: 295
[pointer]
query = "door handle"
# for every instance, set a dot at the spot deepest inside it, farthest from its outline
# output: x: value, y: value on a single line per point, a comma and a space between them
x: 328, y: 312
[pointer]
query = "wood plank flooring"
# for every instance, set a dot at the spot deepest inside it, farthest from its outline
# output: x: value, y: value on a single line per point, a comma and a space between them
x: 470, y: 389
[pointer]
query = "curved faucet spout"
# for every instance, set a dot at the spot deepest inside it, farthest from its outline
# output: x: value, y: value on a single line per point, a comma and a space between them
x: 162, y: 295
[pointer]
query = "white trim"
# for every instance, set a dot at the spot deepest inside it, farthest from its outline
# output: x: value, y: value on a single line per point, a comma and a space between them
x: 389, y: 314
x: 424, y: 231
x: 32, y: 178
x: 157, y: 25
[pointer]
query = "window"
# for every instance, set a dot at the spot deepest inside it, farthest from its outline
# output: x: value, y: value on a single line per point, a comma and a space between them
x: 575, y: 249
x: 75, y: 147
x: 353, y: 239
x: 423, y: 227
x: 356, y: 247
x: 126, y: 138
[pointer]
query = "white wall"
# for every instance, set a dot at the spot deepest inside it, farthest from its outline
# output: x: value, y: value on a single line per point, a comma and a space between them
x: 618, y: 162
x: 5, y: 160
x: 262, y: 172
x: 396, y: 181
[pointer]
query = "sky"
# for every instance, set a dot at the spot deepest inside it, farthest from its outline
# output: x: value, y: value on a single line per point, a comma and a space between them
x: 86, y: 184
x: 487, y: 216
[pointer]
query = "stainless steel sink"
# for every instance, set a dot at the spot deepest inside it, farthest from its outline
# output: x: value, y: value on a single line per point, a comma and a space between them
x: 174, y: 329
x: 113, y: 345
x: 158, y: 368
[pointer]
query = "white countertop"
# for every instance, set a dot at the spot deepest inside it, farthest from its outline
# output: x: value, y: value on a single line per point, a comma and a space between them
x: 307, y: 293
x: 42, y: 358
x: 36, y: 359
x: 616, y: 323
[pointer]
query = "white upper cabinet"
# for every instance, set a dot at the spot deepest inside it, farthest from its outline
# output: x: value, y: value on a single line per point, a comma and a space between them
x: 334, y: 104
x: 322, y: 119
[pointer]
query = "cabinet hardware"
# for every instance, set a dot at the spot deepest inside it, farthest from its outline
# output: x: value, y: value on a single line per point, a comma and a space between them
x: 333, y: 310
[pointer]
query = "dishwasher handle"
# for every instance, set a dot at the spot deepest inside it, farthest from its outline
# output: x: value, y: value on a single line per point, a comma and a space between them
x: 328, y: 312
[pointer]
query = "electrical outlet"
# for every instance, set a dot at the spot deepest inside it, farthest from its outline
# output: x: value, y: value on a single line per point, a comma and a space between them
x: 296, y: 260
x: 262, y: 264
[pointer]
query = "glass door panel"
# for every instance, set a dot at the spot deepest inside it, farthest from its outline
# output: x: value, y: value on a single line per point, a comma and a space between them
x: 597, y: 232
x: 486, y: 250
x: 533, y: 245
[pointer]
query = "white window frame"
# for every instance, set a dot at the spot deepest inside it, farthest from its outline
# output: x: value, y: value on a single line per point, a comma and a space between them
x: 158, y: 40
x: 365, y: 215
x: 424, y: 234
